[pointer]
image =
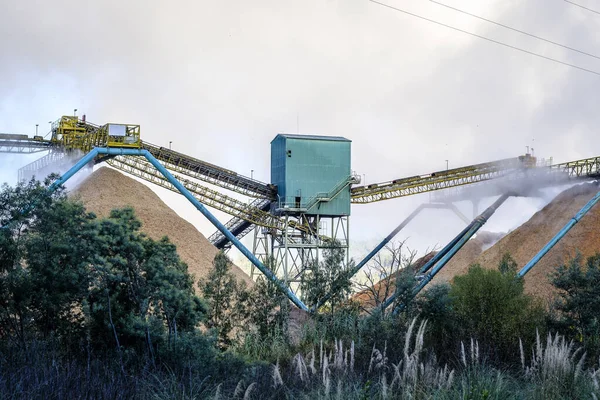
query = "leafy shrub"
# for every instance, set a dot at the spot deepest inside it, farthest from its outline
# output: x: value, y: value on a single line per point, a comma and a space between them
x: 492, y: 307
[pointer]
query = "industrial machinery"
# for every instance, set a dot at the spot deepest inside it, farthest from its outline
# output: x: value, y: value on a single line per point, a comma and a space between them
x: 306, y: 206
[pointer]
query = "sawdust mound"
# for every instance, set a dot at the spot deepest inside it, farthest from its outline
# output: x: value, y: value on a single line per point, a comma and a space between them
x: 107, y: 189
x: 524, y: 242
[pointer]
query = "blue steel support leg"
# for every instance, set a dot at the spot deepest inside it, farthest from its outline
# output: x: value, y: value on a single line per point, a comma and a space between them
x: 387, y: 239
x: 559, y: 235
x: 475, y: 226
x: 61, y: 181
x: 369, y: 256
x: 445, y: 250
x: 74, y: 169
x: 138, y: 152
x: 268, y: 273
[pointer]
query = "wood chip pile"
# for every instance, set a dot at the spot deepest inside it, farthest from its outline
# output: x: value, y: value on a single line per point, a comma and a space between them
x: 524, y: 242
x: 107, y: 189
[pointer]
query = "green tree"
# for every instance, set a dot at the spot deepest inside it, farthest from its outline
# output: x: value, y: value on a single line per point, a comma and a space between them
x: 578, y: 301
x: 328, y: 281
x: 268, y: 309
x: 221, y: 290
x: 507, y: 265
x: 38, y: 243
x: 141, y: 292
x: 435, y: 306
x: 492, y: 307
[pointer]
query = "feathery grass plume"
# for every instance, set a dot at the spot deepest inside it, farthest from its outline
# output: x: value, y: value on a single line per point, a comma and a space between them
x: 384, y: 386
x: 277, y: 380
x: 321, y: 354
x: 522, y: 354
x: 313, y: 370
x: 300, y: 367
x: 346, y: 359
x: 412, y: 357
x: 397, y: 377
x: 325, y: 369
x: 336, y: 354
x: 327, y: 386
x: 339, y: 362
x: 556, y: 368
x: 338, y: 395
x: 384, y: 355
x: 407, y: 339
x: 248, y: 391
x: 474, y: 352
x: 463, y: 356
x: 376, y: 360
x: 218, y: 392
x: 449, y: 380
x: 352, y: 356
x: 239, y: 388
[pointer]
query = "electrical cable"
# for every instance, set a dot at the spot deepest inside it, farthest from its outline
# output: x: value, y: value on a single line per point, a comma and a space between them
x: 486, y: 38
x: 585, y: 8
x: 514, y: 29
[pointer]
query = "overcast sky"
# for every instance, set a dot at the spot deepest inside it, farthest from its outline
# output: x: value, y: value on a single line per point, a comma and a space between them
x: 221, y: 78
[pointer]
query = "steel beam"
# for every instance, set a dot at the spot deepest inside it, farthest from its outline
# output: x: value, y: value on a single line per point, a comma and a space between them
x: 188, y: 195
x: 459, y: 242
x: 559, y: 235
x: 388, y: 238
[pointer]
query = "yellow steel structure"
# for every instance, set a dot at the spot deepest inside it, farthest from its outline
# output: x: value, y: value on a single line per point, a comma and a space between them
x: 587, y: 167
x: 439, y: 180
x: 72, y: 133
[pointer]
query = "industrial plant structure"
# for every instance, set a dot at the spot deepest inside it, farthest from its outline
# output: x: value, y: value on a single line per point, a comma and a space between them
x: 307, y: 205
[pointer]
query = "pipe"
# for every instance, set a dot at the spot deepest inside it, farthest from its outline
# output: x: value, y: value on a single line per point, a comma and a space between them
x: 559, y: 235
x: 386, y: 240
x: 186, y: 193
x: 475, y: 226
x: 235, y: 241
x: 60, y: 181
x: 445, y: 250
x: 372, y: 254
x: 73, y: 170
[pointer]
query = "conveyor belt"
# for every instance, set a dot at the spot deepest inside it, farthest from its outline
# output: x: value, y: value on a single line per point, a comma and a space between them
x: 211, y: 173
x: 435, y: 181
x: 10, y: 143
x: 238, y: 226
x: 140, y: 168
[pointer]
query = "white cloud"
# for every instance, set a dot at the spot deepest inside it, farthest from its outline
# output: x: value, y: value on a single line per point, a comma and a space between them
x: 220, y: 79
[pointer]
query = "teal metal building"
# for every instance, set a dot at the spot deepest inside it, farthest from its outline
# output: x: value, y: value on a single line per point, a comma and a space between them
x: 312, y: 174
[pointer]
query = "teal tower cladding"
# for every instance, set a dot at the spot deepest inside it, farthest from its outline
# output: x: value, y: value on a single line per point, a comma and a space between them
x: 312, y: 174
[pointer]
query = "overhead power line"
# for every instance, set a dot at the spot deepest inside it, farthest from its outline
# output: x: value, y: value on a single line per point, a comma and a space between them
x: 514, y: 29
x: 486, y: 38
x: 585, y: 8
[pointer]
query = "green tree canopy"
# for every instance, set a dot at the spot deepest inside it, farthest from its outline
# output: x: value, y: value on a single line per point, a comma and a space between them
x: 493, y: 308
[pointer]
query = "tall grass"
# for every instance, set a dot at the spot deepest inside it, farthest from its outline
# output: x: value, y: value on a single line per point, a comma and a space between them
x: 556, y: 370
x: 552, y: 369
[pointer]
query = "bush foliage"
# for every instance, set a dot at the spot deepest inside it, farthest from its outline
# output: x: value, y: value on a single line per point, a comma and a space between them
x: 92, y: 308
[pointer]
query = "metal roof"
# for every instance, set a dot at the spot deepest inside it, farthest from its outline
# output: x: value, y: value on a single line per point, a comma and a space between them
x: 312, y: 137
